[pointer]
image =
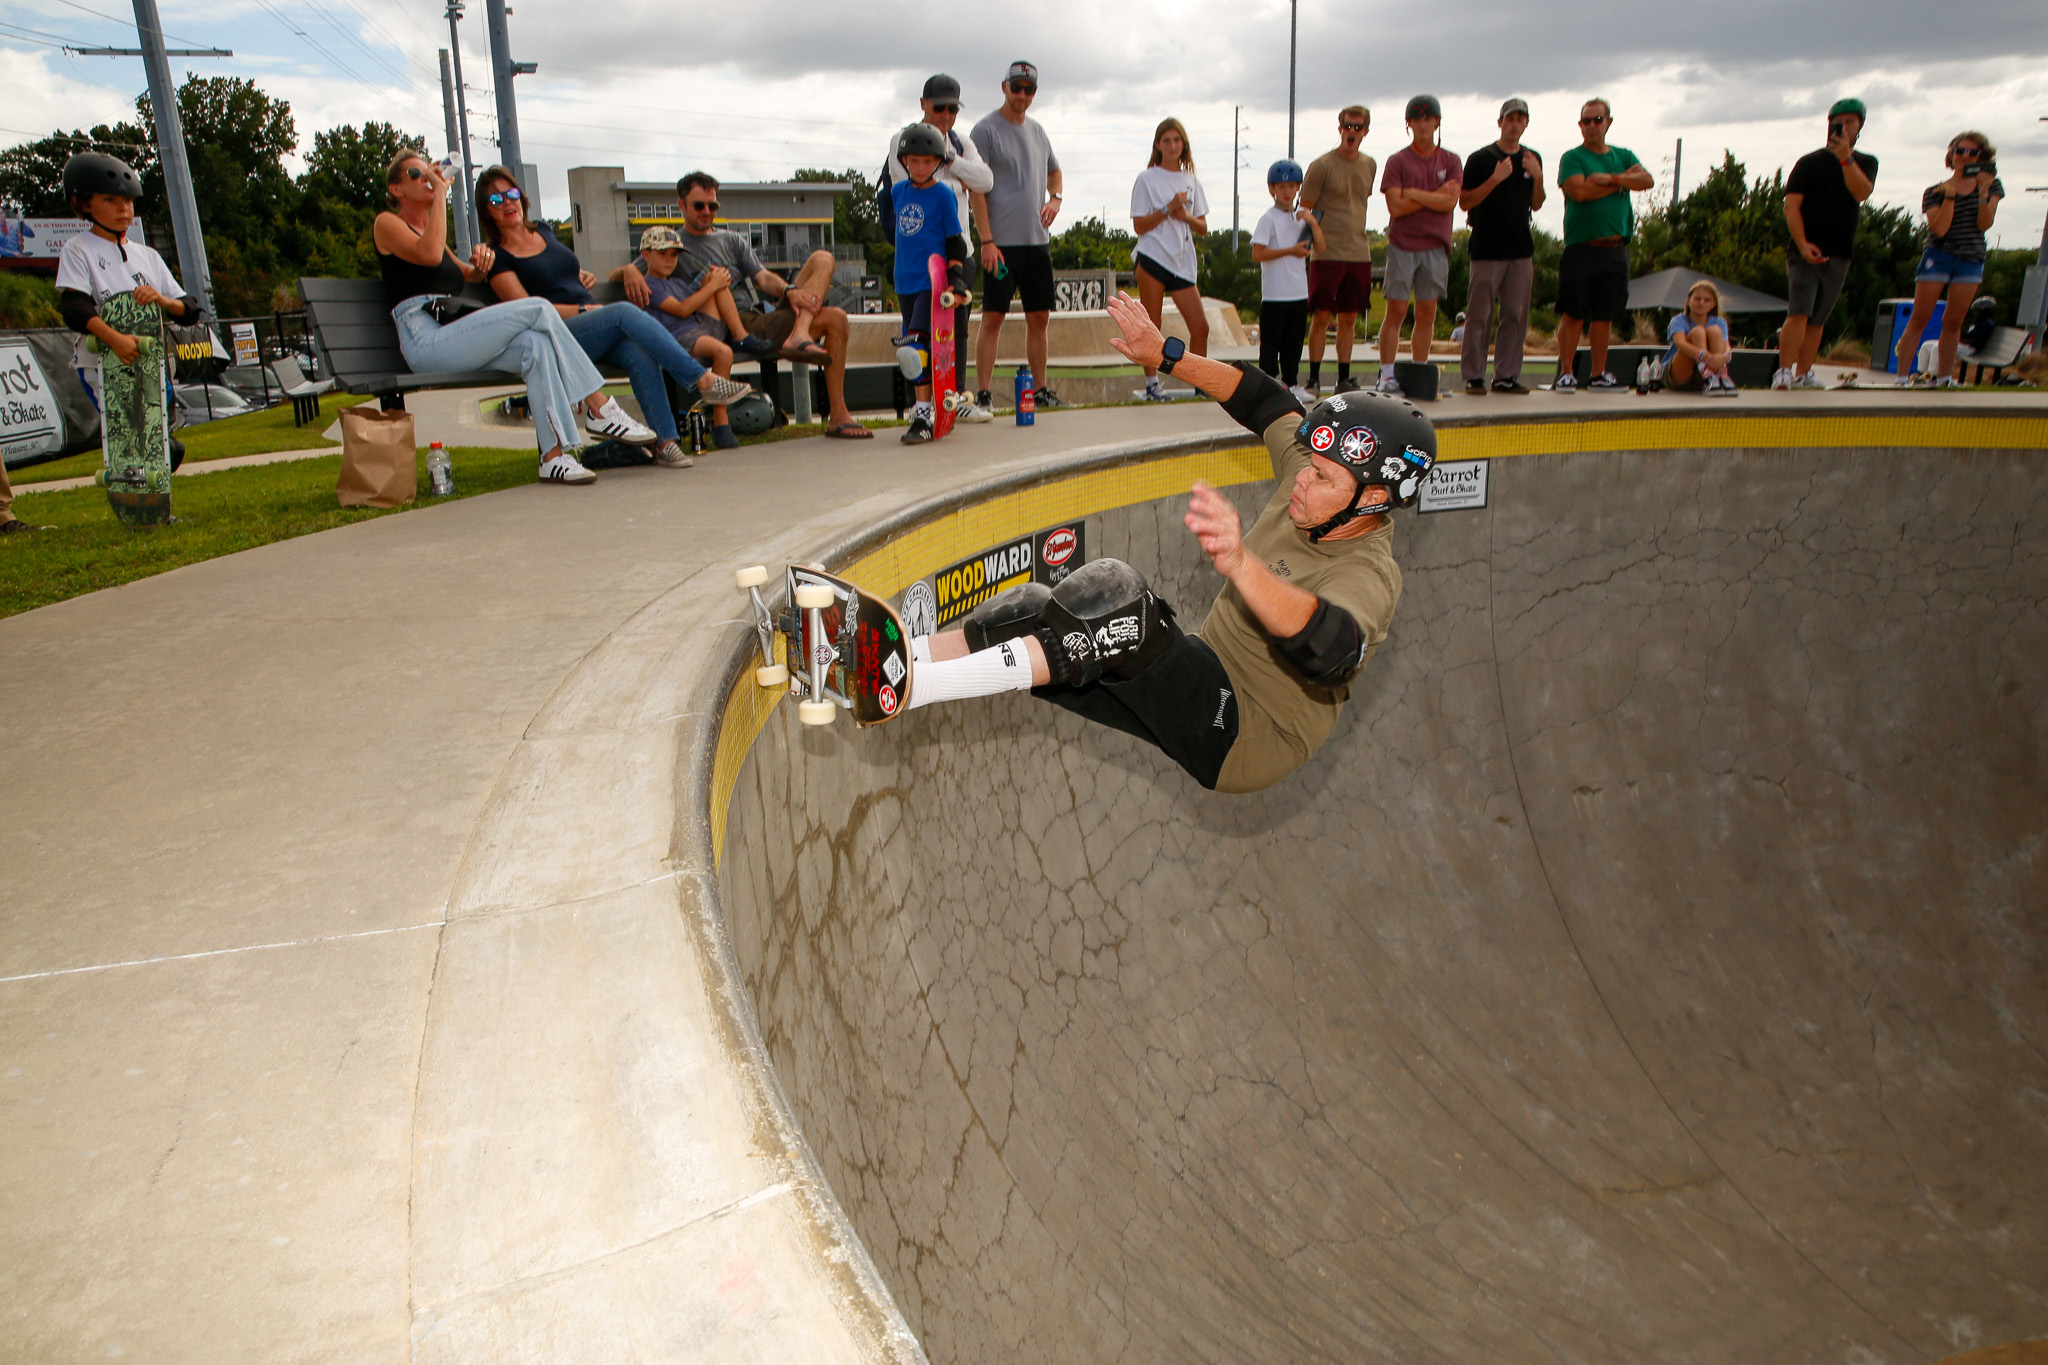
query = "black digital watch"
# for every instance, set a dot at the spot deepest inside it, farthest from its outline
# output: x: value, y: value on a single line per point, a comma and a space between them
x: 1170, y: 353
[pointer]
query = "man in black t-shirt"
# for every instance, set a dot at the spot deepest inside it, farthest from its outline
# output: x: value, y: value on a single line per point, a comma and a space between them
x: 1503, y: 185
x: 1823, y: 199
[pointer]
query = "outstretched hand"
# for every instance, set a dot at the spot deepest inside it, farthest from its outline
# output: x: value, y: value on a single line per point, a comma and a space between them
x: 1213, y: 519
x: 1141, y: 341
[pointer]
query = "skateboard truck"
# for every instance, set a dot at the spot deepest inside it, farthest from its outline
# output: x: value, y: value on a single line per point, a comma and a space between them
x: 803, y: 620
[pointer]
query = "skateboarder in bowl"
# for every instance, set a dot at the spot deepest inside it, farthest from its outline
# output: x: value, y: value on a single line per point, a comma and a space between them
x: 1310, y: 590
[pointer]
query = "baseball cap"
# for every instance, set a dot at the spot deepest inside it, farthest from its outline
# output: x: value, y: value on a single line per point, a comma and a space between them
x: 1022, y: 71
x: 1849, y: 106
x: 661, y: 237
x: 1424, y: 106
x: 942, y: 87
x: 1517, y: 105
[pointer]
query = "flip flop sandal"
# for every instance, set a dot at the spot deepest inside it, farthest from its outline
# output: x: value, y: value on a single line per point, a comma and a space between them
x: 814, y: 351
x: 850, y: 431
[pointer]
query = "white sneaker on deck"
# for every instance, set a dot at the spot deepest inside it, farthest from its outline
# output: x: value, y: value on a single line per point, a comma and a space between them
x: 1782, y: 379
x: 1809, y: 380
x: 612, y: 423
x: 971, y: 411
x: 565, y: 468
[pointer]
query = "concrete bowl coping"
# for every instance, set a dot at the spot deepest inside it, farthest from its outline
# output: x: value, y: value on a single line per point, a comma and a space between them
x: 694, y: 1214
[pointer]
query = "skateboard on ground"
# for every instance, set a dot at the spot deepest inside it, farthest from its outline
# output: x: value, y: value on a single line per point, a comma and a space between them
x: 136, y: 417
x: 945, y: 398
x: 847, y: 649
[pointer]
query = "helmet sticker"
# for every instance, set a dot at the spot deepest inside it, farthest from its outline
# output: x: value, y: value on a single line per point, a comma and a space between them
x: 1359, y: 445
x: 1421, y: 459
x: 1391, y: 469
x: 1322, y: 438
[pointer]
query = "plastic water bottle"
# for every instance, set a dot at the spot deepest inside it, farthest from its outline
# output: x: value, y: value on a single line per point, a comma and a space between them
x: 440, y: 474
x: 1643, y: 375
x: 1027, y: 399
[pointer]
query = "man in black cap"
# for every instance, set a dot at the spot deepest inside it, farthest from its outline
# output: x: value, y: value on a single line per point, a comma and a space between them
x: 1016, y: 241
x: 969, y: 178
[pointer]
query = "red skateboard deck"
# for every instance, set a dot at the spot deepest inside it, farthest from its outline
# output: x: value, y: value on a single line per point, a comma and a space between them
x: 944, y: 341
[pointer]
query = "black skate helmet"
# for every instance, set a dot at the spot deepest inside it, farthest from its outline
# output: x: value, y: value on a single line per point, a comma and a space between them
x: 752, y: 415
x: 91, y: 173
x: 1385, y: 441
x: 921, y: 139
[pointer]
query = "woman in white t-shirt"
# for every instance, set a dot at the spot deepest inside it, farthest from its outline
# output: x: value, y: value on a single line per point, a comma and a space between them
x: 1168, y: 208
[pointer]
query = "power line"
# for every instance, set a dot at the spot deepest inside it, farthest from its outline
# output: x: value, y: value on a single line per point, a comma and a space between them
x: 20, y: 33
x: 359, y: 44
x: 125, y: 21
x: 81, y: 141
x: 313, y: 43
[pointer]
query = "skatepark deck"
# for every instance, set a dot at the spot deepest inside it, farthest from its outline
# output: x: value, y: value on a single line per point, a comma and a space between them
x: 1649, y: 968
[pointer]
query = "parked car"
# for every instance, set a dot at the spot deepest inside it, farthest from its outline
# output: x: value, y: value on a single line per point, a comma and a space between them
x: 209, y: 402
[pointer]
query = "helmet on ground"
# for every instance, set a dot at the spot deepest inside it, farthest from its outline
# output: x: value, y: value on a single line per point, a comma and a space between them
x: 921, y: 139
x: 752, y: 415
x: 1284, y: 172
x: 91, y: 173
x: 1383, y: 440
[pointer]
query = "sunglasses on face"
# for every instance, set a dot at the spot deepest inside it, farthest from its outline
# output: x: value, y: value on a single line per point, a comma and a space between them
x: 703, y: 206
x: 497, y: 197
x: 413, y: 172
x: 1595, y: 119
x: 1352, y: 127
x: 945, y: 108
x: 1019, y: 88
x: 1969, y: 151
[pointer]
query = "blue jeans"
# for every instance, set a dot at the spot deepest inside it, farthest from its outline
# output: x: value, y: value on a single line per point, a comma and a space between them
x: 634, y: 341
x: 1945, y: 267
x: 526, y: 335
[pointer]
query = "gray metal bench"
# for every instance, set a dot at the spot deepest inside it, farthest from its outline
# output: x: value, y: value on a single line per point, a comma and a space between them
x: 2005, y: 347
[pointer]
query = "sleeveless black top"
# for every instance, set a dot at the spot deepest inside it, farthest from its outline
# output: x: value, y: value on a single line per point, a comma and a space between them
x: 403, y: 280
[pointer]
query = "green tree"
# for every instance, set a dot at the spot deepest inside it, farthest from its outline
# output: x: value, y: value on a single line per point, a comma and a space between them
x: 857, y: 221
x: 2004, y: 272
x: 32, y: 174
x: 236, y: 139
x: 1091, y: 244
x: 341, y: 194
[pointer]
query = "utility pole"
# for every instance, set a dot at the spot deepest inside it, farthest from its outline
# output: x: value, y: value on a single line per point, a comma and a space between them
x: 465, y: 228
x: 503, y: 69
x: 2032, y: 313
x: 170, y: 143
x: 1677, y: 162
x: 1236, y: 127
x: 1293, y: 15
x: 461, y: 97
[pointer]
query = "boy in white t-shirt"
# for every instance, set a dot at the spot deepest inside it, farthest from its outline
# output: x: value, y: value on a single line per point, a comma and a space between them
x: 1280, y: 244
x: 96, y: 265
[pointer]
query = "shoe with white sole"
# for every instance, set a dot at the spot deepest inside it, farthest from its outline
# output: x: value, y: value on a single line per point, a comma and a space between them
x: 724, y: 390
x: 671, y: 455
x: 971, y: 411
x: 1718, y: 387
x: 1303, y: 396
x: 1782, y: 379
x: 1605, y: 382
x: 612, y: 423
x: 1565, y: 383
x: 1809, y: 380
x: 1388, y: 384
x: 565, y: 468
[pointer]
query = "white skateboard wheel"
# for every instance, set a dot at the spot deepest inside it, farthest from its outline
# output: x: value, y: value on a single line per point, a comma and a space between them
x: 815, y: 712
x: 753, y: 576
x: 771, y: 675
x: 810, y: 595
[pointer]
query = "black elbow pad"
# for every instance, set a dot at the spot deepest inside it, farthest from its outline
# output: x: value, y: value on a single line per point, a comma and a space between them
x: 1330, y: 649
x: 195, y: 311
x: 77, y: 309
x: 1260, y: 400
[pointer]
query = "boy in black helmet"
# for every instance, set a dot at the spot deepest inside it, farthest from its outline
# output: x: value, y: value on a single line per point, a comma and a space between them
x: 927, y: 224
x: 96, y: 265
x: 1310, y: 591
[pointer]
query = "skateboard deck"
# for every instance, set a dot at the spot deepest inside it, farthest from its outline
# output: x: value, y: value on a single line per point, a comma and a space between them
x: 944, y: 343
x: 138, y: 428
x: 848, y: 653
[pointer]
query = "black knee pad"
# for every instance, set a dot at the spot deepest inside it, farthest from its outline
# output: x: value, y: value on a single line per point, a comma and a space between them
x: 1007, y: 615
x: 1102, y: 620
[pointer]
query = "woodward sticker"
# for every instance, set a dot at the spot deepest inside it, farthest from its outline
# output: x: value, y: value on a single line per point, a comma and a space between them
x: 1046, y: 556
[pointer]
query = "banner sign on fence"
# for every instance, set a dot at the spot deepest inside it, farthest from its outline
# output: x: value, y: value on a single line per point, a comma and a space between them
x: 40, y: 239
x: 246, y: 350
x: 31, y: 422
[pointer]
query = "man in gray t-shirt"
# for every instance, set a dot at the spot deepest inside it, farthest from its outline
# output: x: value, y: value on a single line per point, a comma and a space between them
x: 1016, y: 251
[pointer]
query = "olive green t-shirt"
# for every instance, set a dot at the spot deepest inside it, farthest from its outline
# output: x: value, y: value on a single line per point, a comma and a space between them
x: 1281, y: 719
x: 1341, y: 191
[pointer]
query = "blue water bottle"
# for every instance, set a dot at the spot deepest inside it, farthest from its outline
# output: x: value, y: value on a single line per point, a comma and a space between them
x: 1027, y: 398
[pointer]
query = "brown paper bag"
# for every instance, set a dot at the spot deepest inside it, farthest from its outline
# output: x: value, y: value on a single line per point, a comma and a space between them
x: 379, y: 465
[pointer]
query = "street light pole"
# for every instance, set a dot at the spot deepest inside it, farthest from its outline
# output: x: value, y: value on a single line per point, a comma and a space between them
x: 461, y: 93
x: 465, y: 228
x: 503, y: 69
x: 170, y: 149
x: 1293, y: 15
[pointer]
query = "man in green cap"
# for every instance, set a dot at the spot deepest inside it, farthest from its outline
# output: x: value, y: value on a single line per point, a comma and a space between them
x: 1823, y: 199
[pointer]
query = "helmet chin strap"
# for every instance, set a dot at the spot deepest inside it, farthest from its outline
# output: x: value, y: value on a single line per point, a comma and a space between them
x: 1345, y: 517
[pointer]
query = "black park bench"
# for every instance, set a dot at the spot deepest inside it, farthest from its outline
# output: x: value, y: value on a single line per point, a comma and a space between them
x: 357, y: 342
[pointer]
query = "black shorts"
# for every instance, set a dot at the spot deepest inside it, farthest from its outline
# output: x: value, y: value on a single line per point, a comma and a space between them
x: 1184, y: 704
x: 1592, y: 282
x: 1028, y: 275
x: 1171, y: 282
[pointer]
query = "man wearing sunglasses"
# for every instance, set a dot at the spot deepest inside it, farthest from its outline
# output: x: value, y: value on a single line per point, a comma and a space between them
x: 779, y: 314
x: 1016, y: 244
x: 1599, y: 219
x: 1338, y: 189
x: 970, y: 179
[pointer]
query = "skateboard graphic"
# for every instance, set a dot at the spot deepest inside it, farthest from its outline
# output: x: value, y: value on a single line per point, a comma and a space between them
x: 847, y: 649
x: 945, y: 398
x: 138, y: 428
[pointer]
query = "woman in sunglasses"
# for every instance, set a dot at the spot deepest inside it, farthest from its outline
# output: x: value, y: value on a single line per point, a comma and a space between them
x: 423, y: 283
x: 530, y: 262
x: 1957, y: 212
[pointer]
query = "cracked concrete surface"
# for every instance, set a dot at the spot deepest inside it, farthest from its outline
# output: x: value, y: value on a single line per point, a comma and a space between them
x: 1650, y: 967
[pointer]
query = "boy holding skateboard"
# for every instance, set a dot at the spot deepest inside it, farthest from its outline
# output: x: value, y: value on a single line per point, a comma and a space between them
x: 927, y: 225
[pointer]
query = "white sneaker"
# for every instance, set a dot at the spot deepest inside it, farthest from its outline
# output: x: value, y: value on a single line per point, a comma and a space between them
x: 1388, y: 384
x: 1155, y: 391
x: 1947, y: 381
x: 1303, y: 396
x: 1809, y: 380
x: 1565, y: 383
x: 613, y: 424
x: 1718, y: 387
x: 1782, y: 379
x: 565, y: 468
x: 1904, y: 381
x: 1605, y: 382
x: 971, y: 411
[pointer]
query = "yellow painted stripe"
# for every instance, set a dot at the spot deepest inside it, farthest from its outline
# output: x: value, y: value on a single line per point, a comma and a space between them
x: 1743, y: 433
x: 953, y: 536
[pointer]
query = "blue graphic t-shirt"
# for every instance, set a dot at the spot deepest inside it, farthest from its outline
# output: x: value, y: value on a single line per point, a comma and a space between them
x: 925, y: 218
x: 1681, y: 324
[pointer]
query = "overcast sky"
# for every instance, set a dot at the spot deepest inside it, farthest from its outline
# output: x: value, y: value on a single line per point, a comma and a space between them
x: 614, y: 87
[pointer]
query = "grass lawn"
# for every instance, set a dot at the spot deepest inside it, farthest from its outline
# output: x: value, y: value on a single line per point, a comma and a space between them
x: 255, y: 433
x: 218, y: 514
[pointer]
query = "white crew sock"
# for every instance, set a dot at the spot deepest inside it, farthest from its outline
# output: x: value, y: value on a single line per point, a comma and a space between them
x: 923, y: 409
x: 1001, y: 668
